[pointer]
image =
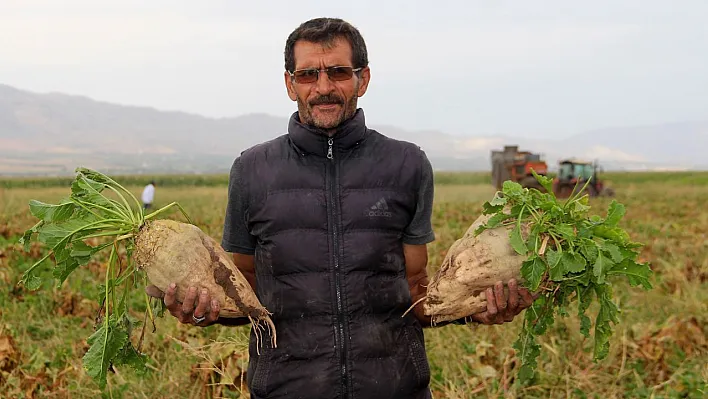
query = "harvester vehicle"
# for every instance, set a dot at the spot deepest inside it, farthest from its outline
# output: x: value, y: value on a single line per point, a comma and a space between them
x: 512, y: 164
x: 573, y: 175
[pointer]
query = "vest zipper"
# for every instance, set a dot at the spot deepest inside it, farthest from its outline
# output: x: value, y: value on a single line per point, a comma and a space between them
x: 337, y: 277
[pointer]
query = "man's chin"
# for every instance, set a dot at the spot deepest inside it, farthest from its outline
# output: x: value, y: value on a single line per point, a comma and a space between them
x: 326, y: 124
x: 327, y: 121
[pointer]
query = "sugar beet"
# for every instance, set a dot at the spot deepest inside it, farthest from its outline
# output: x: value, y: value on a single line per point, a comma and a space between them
x: 472, y: 264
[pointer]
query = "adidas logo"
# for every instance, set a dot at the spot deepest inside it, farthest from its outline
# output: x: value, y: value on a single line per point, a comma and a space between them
x: 380, y: 209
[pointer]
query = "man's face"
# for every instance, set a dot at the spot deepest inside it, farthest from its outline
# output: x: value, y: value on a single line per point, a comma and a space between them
x: 326, y: 103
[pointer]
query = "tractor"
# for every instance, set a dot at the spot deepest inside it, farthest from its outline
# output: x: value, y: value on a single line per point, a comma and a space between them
x: 573, y: 175
x: 512, y: 164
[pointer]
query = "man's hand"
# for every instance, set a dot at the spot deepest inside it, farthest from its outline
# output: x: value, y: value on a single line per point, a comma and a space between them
x: 187, y: 312
x: 503, y: 307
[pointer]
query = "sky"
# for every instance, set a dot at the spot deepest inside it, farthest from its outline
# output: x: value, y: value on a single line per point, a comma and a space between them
x: 546, y: 68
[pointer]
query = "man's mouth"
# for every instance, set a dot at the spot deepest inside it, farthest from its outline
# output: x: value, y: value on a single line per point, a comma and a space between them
x: 326, y: 107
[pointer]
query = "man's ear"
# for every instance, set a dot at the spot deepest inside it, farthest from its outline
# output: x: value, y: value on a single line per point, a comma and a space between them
x: 365, y: 77
x: 289, y: 86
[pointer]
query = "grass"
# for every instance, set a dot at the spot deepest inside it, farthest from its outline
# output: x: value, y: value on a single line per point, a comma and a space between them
x: 659, y: 350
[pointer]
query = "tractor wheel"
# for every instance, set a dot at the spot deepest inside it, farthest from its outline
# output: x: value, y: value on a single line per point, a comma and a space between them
x: 563, y: 191
x: 531, y: 182
x: 607, y: 192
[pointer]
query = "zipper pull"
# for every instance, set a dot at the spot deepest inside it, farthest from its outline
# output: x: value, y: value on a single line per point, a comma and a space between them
x: 329, y: 150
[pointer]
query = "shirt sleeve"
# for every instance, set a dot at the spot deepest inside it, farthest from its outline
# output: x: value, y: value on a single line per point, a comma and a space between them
x: 420, y: 230
x: 236, y: 237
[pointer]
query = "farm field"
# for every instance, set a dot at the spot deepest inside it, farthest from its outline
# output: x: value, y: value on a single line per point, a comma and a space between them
x: 659, y: 350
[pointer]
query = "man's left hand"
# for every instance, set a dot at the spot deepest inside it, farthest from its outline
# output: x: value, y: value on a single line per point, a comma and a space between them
x: 503, y: 307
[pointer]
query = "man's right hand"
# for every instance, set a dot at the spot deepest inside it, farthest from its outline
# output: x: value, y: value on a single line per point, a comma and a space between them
x: 195, y: 305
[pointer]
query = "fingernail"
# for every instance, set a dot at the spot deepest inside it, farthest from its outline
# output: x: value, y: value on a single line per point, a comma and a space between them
x: 214, y: 303
x: 173, y: 286
x: 204, y: 292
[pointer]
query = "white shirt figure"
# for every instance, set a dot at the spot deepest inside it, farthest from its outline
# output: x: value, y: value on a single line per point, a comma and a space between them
x: 148, y: 195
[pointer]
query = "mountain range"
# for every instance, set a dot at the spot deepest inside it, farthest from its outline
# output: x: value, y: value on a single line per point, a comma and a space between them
x: 52, y: 133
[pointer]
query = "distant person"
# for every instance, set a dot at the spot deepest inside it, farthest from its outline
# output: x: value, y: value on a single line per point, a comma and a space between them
x: 148, y: 195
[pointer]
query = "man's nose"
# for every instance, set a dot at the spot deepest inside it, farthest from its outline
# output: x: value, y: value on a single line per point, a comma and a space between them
x: 324, y: 83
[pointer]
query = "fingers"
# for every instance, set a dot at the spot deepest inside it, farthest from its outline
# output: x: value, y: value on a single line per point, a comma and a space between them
x: 186, y: 310
x: 513, y: 295
x: 500, y: 296
x: 503, y: 307
x: 491, y: 302
x: 154, y: 292
x: 213, y: 313
x: 189, y: 300
x: 171, y: 299
x: 526, y: 297
x: 203, y: 304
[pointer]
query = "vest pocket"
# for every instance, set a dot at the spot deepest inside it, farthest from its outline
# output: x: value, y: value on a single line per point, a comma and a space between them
x: 416, y: 351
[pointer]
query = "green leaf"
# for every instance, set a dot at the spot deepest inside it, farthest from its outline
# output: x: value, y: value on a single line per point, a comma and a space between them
x: 63, y: 269
x: 603, y: 328
x: 615, y: 213
x: 584, y: 301
x: 636, y: 273
x: 489, y: 209
x: 557, y: 272
x: 574, y: 262
x: 50, y: 212
x: 613, y: 250
x: 497, y: 201
x: 105, y: 344
x: 580, y: 207
x: 528, y: 350
x: 566, y: 231
x: 129, y: 356
x: 553, y: 257
x: 545, y: 315
x: 615, y: 234
x: 545, y: 181
x: 517, y: 242
x: 83, y: 252
x: 497, y: 220
x: 532, y: 270
x: 600, y: 268
x: 90, y: 192
x: 26, y: 239
x: 83, y: 185
x: 32, y: 282
x: 589, y: 249
x: 533, y: 241
x: 512, y: 187
x: 60, y: 233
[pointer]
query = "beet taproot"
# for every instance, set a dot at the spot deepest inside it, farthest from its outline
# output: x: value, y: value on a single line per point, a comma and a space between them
x: 171, y: 251
x: 471, y: 265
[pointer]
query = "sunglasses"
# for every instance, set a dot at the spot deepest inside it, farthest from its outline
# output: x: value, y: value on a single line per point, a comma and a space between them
x: 336, y: 73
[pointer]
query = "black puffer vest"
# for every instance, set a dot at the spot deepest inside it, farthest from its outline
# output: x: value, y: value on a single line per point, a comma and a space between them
x: 329, y: 215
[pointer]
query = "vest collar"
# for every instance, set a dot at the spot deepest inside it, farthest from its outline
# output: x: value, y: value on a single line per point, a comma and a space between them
x: 310, y: 139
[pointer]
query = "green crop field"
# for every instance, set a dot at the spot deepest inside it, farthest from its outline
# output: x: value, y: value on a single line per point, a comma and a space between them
x: 659, y: 349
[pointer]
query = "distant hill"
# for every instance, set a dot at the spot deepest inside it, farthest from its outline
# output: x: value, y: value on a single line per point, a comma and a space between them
x: 52, y: 133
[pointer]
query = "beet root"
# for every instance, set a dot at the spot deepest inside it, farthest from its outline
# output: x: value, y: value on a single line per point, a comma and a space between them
x: 174, y: 252
x: 471, y: 265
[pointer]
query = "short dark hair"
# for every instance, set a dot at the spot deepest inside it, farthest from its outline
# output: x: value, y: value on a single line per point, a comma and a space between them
x: 324, y: 31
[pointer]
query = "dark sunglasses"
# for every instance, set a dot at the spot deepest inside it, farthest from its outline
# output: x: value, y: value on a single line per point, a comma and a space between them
x: 336, y: 73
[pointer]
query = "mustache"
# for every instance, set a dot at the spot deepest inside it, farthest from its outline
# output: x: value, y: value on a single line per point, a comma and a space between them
x: 328, y: 99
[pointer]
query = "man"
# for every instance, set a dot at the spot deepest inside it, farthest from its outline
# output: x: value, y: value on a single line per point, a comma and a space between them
x: 148, y: 195
x: 329, y: 223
